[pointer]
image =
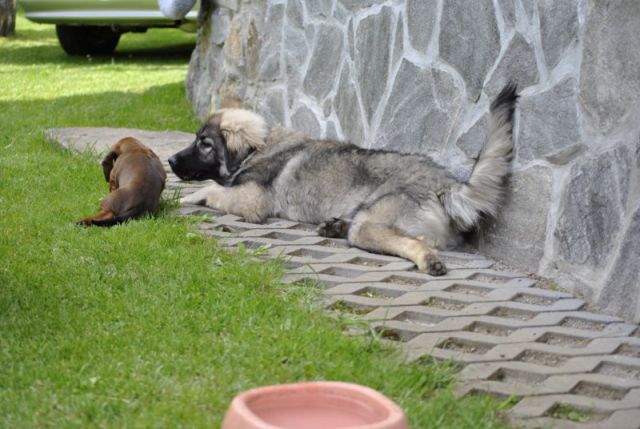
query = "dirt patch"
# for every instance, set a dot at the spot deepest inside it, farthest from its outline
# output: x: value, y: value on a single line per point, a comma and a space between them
x: 337, y: 244
x: 507, y: 375
x: 511, y: 313
x: 617, y: 370
x: 418, y: 318
x: 465, y: 346
x: 632, y: 350
x: 400, y: 280
x: 368, y: 262
x: 378, y: 293
x: 599, y: 391
x: 308, y: 253
x: 541, y: 358
x: 342, y: 272
x: 584, y: 324
x: 526, y: 298
x: 468, y: 290
x: 443, y: 303
x: 489, y: 329
x: 563, y: 340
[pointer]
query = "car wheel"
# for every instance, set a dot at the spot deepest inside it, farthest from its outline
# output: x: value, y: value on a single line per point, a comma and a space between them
x: 87, y: 39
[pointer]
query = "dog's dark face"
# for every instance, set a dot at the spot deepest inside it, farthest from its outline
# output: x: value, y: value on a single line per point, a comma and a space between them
x: 207, y: 157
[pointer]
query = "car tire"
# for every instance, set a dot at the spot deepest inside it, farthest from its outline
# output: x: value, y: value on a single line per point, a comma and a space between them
x: 87, y: 39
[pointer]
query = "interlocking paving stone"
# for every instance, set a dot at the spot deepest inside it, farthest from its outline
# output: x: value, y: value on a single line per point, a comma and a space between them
x: 512, y: 338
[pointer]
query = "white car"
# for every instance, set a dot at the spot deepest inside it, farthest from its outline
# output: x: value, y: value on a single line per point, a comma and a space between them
x: 94, y: 26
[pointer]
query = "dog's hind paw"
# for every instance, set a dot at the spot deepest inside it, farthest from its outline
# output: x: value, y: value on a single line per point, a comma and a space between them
x: 433, y: 266
x: 333, y: 228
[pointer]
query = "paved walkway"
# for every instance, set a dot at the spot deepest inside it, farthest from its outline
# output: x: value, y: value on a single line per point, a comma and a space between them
x: 512, y: 337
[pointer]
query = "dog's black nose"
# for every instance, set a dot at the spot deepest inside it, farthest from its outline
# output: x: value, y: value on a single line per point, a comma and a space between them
x: 172, y: 162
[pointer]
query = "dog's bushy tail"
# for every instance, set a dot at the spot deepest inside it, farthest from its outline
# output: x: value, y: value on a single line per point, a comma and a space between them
x: 483, y: 191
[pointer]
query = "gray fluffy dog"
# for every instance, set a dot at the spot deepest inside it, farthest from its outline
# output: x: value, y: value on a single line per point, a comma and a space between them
x: 382, y: 201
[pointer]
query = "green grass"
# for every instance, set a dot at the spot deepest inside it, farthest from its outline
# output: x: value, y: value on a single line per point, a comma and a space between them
x: 147, y: 324
x: 568, y: 412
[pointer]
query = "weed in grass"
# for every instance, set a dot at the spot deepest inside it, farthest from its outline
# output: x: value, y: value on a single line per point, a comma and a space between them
x: 348, y: 308
x: 567, y: 412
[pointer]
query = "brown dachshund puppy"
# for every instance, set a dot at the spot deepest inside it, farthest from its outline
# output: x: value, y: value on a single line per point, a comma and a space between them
x: 136, y: 180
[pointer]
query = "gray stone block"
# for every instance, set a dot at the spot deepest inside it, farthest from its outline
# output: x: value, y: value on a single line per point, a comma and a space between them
x: 589, y: 218
x: 508, y: 9
x: 517, y: 235
x: 271, y: 46
x: 372, y: 57
x: 620, y: 293
x: 469, y: 40
x: 518, y: 64
x: 398, y: 43
x: 421, y: 19
x: 296, y: 50
x: 558, y: 28
x: 340, y: 13
x: 319, y: 8
x: 417, y: 117
x: 347, y: 108
x: 331, y: 132
x: 474, y: 139
x: 271, y: 106
x: 609, y: 77
x: 294, y: 13
x: 354, y: 5
x: 325, y: 60
x: 548, y: 121
x: 529, y: 7
x: 304, y: 120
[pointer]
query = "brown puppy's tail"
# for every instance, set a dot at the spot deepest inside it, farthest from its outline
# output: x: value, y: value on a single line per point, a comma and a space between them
x: 106, y: 218
x: 483, y: 192
x: 114, y: 220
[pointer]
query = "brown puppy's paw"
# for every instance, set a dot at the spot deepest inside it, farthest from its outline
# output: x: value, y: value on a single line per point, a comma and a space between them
x: 433, y: 266
x: 333, y: 228
x: 84, y: 222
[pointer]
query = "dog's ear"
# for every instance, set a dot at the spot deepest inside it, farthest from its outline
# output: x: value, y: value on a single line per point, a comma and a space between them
x: 243, y: 131
x: 229, y: 162
x: 107, y: 164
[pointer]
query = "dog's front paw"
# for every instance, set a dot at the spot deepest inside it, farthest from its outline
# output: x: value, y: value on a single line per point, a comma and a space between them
x: 333, y: 228
x: 432, y: 265
x: 193, y: 199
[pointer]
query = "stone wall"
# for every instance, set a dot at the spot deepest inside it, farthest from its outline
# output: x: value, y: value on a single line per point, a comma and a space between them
x: 418, y: 75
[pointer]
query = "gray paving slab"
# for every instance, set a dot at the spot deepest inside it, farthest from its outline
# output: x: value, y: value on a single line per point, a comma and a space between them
x: 566, y: 367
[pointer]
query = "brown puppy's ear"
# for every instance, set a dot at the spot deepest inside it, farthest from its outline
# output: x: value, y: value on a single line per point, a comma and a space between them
x: 107, y: 164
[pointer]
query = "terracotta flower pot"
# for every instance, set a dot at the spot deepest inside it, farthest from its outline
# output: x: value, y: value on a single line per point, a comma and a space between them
x: 314, y: 405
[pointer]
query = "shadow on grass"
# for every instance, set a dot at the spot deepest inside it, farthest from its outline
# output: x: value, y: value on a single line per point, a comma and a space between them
x: 153, y: 109
x: 129, y: 55
x: 36, y: 46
